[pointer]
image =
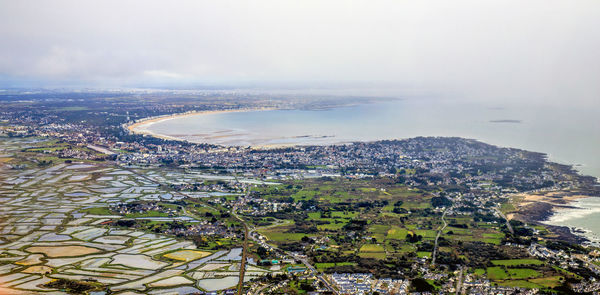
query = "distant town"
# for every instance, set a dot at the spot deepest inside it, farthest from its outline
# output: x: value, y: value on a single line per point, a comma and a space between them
x: 91, y: 208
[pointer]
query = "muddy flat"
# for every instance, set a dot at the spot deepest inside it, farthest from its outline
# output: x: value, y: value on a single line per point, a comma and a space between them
x: 63, y: 251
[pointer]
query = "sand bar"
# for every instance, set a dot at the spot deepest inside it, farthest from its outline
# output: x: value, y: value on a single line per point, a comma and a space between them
x: 141, y: 126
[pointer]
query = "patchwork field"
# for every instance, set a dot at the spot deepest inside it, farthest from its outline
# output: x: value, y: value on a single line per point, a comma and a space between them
x: 56, y: 232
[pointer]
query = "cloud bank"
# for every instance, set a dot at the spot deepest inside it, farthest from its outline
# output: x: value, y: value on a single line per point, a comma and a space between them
x: 538, y: 50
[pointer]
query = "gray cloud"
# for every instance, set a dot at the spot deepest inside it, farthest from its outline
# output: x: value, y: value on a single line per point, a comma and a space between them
x: 539, y: 50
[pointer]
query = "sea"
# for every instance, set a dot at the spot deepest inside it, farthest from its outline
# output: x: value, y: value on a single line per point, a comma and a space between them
x: 567, y: 134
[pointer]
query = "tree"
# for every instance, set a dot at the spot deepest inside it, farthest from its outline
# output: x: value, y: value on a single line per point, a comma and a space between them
x: 262, y: 251
x: 421, y: 285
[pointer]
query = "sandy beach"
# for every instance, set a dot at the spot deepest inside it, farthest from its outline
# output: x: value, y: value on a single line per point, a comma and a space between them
x: 546, y: 207
x: 556, y: 198
x: 141, y: 126
x: 542, y: 205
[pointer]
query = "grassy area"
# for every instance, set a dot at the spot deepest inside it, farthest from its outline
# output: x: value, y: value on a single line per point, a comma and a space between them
x: 283, y: 236
x: 372, y: 251
x: 375, y: 255
x: 422, y: 254
x: 416, y: 205
x: 548, y: 282
x: 491, y: 241
x: 314, y: 215
x: 566, y: 272
x: 372, y: 248
x: 519, y: 284
x: 322, y: 266
x: 397, y: 233
x: 339, y: 210
x: 344, y: 214
x: 523, y: 273
x: 515, y: 262
x: 507, y: 207
x: 493, y: 235
x: 379, y: 231
x: 147, y: 214
x: 331, y: 226
x: 97, y: 211
x: 496, y: 273
x: 427, y: 233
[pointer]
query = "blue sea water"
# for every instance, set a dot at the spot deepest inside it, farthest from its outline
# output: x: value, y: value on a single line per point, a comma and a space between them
x: 568, y: 135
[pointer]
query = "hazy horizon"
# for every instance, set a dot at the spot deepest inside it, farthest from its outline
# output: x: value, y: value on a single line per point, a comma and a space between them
x: 545, y: 52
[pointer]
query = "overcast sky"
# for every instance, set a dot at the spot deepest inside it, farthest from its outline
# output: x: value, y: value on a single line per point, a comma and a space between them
x: 543, y: 50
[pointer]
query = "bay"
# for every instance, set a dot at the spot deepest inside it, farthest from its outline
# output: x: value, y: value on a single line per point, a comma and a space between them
x: 569, y: 135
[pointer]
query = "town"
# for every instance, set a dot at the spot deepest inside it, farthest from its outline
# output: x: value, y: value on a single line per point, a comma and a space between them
x: 135, y: 213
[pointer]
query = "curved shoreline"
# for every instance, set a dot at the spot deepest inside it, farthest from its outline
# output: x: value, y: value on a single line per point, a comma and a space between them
x: 141, y: 126
x: 542, y: 206
x: 575, y: 210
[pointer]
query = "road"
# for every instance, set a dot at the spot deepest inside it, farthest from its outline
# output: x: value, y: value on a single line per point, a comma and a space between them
x: 459, y: 282
x: 510, y: 229
x: 437, y: 237
x: 247, y: 233
x: 232, y: 212
x: 244, y: 252
x: 313, y: 271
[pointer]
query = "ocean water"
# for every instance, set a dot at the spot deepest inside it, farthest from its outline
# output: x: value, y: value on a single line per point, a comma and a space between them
x: 568, y: 135
x: 585, y: 216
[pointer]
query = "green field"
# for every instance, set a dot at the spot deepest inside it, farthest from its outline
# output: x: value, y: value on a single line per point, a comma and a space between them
x: 344, y: 214
x: 496, y: 273
x: 284, y: 237
x: 515, y: 262
x: 372, y: 248
x: 314, y: 215
x: 147, y: 214
x: 422, y: 254
x: 548, y: 282
x: 426, y: 233
x: 383, y: 235
x: 519, y: 283
x: 331, y: 226
x: 375, y: 255
x: 523, y: 273
x: 379, y: 231
x: 397, y: 233
x: 325, y: 265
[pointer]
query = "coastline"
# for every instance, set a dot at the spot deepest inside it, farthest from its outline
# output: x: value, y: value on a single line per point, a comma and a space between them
x: 141, y: 126
x: 571, y: 217
x: 534, y: 207
x: 541, y: 207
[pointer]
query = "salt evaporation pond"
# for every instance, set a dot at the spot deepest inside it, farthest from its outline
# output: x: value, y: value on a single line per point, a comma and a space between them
x: 234, y: 255
x: 218, y: 284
